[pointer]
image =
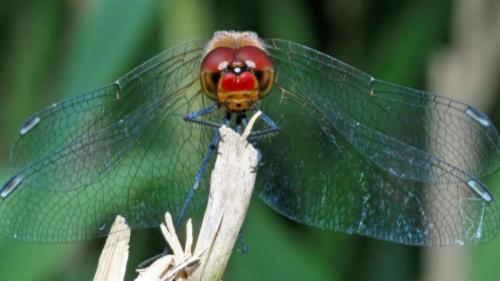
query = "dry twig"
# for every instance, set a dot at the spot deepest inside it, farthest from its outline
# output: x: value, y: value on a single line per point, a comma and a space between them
x: 231, y: 189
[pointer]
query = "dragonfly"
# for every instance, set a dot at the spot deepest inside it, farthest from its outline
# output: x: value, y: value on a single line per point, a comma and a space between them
x: 341, y: 150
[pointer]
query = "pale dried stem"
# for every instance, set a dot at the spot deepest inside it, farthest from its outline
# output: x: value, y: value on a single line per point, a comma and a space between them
x: 231, y: 188
x: 113, y: 260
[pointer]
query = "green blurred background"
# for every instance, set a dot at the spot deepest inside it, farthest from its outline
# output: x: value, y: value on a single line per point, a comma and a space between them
x: 53, y: 49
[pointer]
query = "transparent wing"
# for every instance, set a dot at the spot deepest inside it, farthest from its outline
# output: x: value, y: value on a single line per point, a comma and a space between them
x: 123, y: 149
x: 359, y: 155
x: 77, y: 117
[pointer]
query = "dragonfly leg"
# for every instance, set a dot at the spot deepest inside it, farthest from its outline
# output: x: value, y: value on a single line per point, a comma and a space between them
x: 227, y: 119
x: 239, y: 123
x: 273, y: 127
x: 198, y: 177
x: 197, y: 180
x: 195, y: 117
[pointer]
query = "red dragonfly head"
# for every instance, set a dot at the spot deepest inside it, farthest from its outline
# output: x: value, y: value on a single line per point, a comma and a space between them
x: 236, y: 70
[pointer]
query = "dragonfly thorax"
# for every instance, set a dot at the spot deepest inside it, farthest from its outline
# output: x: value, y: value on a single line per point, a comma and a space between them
x: 236, y: 71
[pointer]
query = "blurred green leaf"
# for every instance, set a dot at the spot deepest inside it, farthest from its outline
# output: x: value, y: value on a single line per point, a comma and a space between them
x: 401, y: 51
x: 105, y: 38
x: 185, y: 20
x: 276, y: 252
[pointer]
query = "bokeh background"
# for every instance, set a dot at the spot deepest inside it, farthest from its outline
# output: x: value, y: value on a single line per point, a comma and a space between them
x: 54, y: 49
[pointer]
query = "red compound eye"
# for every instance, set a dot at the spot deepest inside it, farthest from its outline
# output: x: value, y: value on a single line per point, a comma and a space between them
x: 215, y: 57
x: 261, y: 64
x: 210, y: 72
x: 255, y: 56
